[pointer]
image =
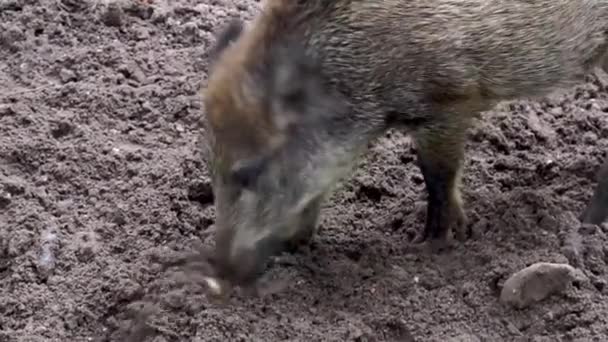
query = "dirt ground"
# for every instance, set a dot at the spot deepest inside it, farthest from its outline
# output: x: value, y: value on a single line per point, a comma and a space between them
x: 101, y: 180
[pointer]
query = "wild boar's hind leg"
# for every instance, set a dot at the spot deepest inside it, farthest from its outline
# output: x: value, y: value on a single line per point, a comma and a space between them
x: 597, y: 208
x: 440, y: 150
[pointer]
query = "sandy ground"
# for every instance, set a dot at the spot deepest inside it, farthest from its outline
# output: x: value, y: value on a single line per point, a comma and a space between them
x: 100, y: 180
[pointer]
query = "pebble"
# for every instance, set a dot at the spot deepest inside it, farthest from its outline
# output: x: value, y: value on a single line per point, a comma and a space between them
x: 5, y: 199
x: 48, y: 249
x: 537, y: 282
x: 61, y: 129
x: 6, y: 110
x: 113, y: 16
x: 67, y: 75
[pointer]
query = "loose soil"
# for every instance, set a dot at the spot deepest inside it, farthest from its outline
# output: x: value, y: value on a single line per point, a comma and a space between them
x: 101, y: 181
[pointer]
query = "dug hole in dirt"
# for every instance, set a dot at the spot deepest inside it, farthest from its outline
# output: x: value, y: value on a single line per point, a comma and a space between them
x: 101, y: 181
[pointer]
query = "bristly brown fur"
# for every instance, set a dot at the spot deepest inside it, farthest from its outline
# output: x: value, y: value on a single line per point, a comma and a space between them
x: 295, y: 98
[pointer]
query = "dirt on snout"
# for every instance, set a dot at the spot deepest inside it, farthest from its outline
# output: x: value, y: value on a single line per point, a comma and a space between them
x: 102, y: 183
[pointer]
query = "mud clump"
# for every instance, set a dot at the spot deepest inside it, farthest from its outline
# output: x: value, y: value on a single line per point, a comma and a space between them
x: 117, y: 190
x: 537, y: 282
x: 113, y: 15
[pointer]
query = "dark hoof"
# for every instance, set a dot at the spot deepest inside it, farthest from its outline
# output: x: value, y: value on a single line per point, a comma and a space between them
x: 461, y: 229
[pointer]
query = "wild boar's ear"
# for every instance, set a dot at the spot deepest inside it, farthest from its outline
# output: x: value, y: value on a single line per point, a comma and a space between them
x: 228, y: 34
x: 297, y: 85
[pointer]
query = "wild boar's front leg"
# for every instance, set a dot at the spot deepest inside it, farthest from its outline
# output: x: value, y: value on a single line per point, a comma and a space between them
x: 597, y: 208
x: 440, y: 150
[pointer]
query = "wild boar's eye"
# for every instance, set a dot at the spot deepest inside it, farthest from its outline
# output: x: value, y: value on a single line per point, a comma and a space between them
x: 295, y: 99
x: 246, y: 174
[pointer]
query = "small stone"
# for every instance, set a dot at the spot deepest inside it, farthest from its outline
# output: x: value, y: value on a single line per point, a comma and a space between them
x: 128, y: 290
x: 113, y: 16
x: 599, y: 283
x: 160, y: 15
x: 147, y: 107
x: 6, y: 110
x: 49, y: 245
x: 14, y: 186
x: 10, y: 5
x: 74, y: 5
x: 588, y: 229
x: 132, y: 71
x: 190, y: 29
x: 590, y: 138
x: 140, y: 10
x: 5, y: 199
x: 67, y: 75
x: 11, y: 37
x: 556, y: 111
x: 142, y: 33
x: 537, y: 282
x: 86, y: 246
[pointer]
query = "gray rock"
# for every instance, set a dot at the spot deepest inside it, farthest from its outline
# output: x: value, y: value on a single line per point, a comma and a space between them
x: 537, y: 282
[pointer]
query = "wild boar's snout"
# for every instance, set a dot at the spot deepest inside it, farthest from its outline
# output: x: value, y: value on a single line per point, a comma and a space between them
x: 241, y: 266
x: 243, y: 263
